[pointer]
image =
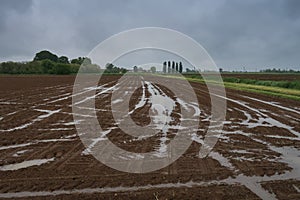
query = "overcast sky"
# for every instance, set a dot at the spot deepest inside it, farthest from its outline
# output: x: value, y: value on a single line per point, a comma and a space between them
x: 250, y: 33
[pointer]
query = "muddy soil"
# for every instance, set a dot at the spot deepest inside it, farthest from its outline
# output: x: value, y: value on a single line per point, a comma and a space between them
x: 42, y: 157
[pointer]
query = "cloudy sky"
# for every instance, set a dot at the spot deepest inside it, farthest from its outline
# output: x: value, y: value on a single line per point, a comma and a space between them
x: 252, y: 33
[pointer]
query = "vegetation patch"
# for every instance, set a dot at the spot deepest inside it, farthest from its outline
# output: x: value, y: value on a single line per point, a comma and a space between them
x: 280, y: 84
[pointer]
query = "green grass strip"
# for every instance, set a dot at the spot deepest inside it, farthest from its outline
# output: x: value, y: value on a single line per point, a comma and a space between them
x: 287, y: 93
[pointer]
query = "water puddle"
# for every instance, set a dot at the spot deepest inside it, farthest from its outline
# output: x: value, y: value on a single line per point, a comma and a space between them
x: 25, y: 164
x: 221, y: 159
x: 105, y: 189
x: 63, y: 139
x: 94, y: 141
x: 275, y: 104
x: 103, y: 91
x: 37, y: 119
x: 18, y: 153
x: 296, y: 188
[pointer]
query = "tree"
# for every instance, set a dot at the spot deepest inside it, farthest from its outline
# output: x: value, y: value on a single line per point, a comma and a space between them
x: 81, y: 60
x: 123, y: 70
x: 180, y: 67
x: 169, y: 67
x: 164, y: 67
x: 176, y: 67
x: 173, y: 67
x: 87, y: 61
x: 63, y: 59
x: 48, y: 66
x: 135, y: 69
x: 109, y: 66
x: 11, y: 67
x: 44, y: 55
x: 61, y: 68
x: 153, y: 69
x: 78, y: 60
x: 74, y: 68
x: 90, y: 68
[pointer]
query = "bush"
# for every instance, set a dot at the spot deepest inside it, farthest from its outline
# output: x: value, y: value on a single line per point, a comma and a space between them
x: 231, y: 80
x: 281, y: 84
x: 38, y: 67
x: 61, y: 68
x: 47, y: 66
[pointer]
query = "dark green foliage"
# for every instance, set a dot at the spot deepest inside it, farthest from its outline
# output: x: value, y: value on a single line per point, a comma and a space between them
x: 63, y: 59
x: 164, y: 67
x: 111, y: 69
x: 89, y: 68
x: 8, y: 67
x: 45, y: 55
x: 193, y: 75
x: 191, y: 71
x: 61, y: 68
x: 46, y: 62
x: 172, y: 67
x: 153, y: 70
x: 21, y: 68
x: 74, y: 68
x: 47, y: 66
x: 87, y: 61
x: 281, y: 84
x: 169, y: 67
x: 274, y: 70
x: 78, y: 60
x: 180, y: 67
x: 37, y: 67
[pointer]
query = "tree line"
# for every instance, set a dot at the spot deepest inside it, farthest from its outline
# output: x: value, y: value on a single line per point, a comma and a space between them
x: 46, y: 62
x: 172, y: 67
x: 274, y: 70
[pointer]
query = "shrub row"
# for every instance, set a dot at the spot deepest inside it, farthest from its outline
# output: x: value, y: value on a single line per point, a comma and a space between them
x: 281, y: 84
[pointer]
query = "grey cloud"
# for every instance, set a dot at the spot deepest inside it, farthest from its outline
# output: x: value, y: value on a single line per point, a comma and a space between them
x: 251, y: 33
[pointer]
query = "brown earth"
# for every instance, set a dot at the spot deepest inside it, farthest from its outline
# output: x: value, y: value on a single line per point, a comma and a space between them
x: 251, y: 150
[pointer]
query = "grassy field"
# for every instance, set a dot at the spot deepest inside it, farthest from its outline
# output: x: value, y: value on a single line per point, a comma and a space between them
x: 269, y: 90
x: 272, y: 83
x: 280, y: 85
